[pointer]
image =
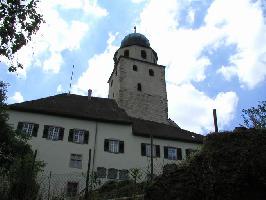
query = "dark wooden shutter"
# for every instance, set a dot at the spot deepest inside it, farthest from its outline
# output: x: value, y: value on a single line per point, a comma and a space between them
x: 121, y: 146
x: 143, y: 149
x: 179, y: 153
x: 157, y: 148
x: 106, y: 145
x: 166, y: 152
x: 35, y: 130
x: 20, y: 126
x: 61, y: 134
x: 70, y: 135
x: 86, y: 137
x: 45, y: 131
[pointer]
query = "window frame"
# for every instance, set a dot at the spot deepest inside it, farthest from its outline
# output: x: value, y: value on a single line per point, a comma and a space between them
x: 75, y: 161
x: 135, y: 68
x: 126, y: 53
x: 115, y: 146
x: 52, y: 134
x: 79, y: 136
x: 151, y: 72
x: 139, y: 87
x: 146, y: 152
x: 27, y: 129
x: 143, y: 54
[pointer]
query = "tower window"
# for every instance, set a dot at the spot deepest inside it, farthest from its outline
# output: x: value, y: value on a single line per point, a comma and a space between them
x: 111, y: 83
x: 151, y: 72
x: 126, y: 53
x: 143, y: 54
x: 139, y: 87
x: 135, y: 68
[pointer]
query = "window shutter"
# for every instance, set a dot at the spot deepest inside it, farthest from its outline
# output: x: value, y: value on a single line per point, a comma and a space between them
x: 143, y: 149
x: 157, y: 150
x: 121, y: 146
x: 61, y: 134
x: 86, y: 137
x: 20, y: 126
x: 70, y: 135
x: 106, y: 145
x: 35, y: 130
x: 179, y: 153
x: 166, y: 152
x: 45, y: 131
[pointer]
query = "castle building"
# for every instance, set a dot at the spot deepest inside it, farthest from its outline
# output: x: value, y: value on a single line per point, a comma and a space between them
x: 115, y: 132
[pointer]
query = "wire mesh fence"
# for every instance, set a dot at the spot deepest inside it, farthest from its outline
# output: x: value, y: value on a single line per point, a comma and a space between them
x: 53, y: 186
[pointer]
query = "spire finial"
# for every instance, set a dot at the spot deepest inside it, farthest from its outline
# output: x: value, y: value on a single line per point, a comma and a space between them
x: 135, y: 29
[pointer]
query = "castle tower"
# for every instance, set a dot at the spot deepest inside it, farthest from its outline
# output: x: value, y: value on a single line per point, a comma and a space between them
x: 137, y: 82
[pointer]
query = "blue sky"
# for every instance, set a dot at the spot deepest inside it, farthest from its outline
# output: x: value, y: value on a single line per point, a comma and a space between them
x: 214, y: 53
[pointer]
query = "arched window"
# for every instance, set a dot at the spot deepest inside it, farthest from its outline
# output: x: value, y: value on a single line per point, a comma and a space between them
x: 151, y: 72
x: 143, y: 54
x: 139, y: 87
x: 135, y: 68
x: 126, y: 53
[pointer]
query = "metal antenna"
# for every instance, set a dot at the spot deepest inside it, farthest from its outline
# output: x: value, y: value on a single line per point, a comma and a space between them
x: 135, y: 29
x: 70, y: 84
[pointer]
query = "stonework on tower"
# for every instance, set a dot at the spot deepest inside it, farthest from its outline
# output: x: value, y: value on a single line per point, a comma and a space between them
x: 137, y: 82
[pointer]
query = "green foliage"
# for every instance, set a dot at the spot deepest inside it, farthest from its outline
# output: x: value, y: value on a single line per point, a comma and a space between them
x: 255, y: 117
x: 19, y: 20
x: 229, y: 166
x: 17, y: 162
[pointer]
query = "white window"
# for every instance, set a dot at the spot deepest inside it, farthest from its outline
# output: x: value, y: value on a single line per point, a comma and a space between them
x: 148, y: 150
x: 76, y: 161
x: 114, y: 146
x: 172, y: 153
x: 78, y: 136
x: 53, y: 133
x: 28, y: 128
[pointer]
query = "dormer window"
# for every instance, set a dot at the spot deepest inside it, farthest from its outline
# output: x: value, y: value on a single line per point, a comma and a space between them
x: 126, y: 53
x: 139, y: 87
x: 135, y: 68
x: 143, y: 54
x: 151, y: 72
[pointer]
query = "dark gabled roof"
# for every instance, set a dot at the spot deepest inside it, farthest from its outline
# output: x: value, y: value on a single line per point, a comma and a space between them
x: 105, y: 110
x: 76, y: 106
x: 158, y: 130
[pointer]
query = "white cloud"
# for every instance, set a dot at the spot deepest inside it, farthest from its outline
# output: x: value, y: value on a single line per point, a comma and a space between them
x: 59, y: 89
x: 192, y: 109
x: 99, y: 69
x: 137, y: 1
x: 16, y: 98
x: 57, y: 34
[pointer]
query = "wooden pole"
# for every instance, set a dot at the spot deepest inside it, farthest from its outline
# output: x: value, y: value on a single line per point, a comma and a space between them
x: 215, y: 120
x: 151, y: 158
x: 88, y: 177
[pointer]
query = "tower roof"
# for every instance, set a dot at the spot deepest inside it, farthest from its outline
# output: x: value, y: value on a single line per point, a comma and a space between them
x: 135, y: 39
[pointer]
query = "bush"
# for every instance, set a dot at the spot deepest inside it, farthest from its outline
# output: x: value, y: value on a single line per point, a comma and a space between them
x: 229, y: 166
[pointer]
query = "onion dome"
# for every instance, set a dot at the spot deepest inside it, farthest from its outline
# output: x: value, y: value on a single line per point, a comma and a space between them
x: 135, y: 39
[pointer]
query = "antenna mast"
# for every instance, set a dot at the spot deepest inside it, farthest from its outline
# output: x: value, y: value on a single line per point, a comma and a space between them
x: 70, y: 84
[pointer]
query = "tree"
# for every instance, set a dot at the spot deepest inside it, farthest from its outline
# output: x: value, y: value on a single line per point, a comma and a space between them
x: 229, y: 166
x: 19, y: 20
x: 255, y: 117
x: 17, y: 159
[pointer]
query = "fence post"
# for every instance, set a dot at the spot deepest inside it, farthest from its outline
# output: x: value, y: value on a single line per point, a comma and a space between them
x: 88, y: 177
x: 49, y: 184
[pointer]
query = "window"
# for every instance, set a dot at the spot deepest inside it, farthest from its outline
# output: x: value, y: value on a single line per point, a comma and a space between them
x: 76, y: 161
x: 53, y: 133
x: 78, y: 136
x: 123, y: 174
x: 143, y: 54
x: 146, y: 150
x: 101, y: 172
x: 139, y: 87
x: 72, y: 189
x: 173, y: 153
x: 111, y: 83
x: 135, y: 68
x: 151, y: 72
x: 126, y: 53
x: 113, y: 146
x: 112, y: 173
x: 30, y: 129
